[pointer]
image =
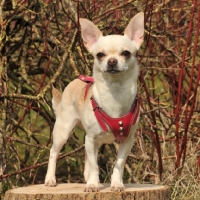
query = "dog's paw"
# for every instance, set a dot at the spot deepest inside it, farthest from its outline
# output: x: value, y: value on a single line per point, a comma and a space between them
x: 117, y: 187
x: 91, y: 188
x: 50, y: 182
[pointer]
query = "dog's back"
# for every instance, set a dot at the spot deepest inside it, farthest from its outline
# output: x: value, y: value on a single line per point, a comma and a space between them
x: 72, y: 94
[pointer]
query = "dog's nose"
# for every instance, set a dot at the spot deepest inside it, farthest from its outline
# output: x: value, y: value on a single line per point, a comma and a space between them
x: 112, y: 62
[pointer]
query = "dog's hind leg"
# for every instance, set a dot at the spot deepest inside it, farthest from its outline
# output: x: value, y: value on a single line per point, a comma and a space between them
x: 65, y: 122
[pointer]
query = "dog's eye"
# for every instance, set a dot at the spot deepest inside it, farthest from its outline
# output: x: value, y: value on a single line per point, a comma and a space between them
x: 100, y: 55
x: 126, y: 54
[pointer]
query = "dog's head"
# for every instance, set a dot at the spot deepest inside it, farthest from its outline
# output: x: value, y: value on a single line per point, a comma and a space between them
x: 113, y: 54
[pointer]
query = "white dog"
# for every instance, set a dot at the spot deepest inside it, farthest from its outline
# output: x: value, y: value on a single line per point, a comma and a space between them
x: 108, y: 110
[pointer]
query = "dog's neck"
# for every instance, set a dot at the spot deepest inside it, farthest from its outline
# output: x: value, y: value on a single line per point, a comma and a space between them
x: 115, y: 94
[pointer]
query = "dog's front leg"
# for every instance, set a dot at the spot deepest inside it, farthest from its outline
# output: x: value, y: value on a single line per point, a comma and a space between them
x: 91, y: 147
x: 124, y: 150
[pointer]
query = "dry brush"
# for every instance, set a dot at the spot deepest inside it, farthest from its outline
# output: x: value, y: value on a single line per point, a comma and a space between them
x: 40, y: 46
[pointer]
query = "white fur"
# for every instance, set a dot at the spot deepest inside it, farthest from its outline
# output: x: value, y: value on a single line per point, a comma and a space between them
x: 114, y: 93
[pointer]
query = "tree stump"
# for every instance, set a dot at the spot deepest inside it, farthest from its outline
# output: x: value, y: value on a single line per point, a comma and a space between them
x: 76, y: 192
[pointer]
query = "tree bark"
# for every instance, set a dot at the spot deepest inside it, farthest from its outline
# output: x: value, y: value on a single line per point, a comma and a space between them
x: 3, y: 118
x: 76, y: 192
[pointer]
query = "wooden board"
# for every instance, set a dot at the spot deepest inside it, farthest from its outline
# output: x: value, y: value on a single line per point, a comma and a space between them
x: 76, y: 192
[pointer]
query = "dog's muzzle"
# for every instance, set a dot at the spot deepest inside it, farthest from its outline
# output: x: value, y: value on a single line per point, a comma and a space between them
x: 112, y: 66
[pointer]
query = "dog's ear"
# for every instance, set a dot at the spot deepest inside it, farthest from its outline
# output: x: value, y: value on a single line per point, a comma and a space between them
x: 135, y: 29
x: 90, y: 33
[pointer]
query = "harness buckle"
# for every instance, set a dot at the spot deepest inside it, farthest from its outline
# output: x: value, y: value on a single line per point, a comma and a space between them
x: 96, y: 107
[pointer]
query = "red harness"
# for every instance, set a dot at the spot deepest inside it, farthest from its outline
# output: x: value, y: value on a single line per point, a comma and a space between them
x: 120, y: 126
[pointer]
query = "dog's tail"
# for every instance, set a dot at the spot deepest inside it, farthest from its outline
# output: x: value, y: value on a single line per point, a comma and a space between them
x: 56, y: 99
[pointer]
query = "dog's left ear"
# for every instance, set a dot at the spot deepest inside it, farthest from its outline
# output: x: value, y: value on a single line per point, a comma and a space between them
x: 135, y: 29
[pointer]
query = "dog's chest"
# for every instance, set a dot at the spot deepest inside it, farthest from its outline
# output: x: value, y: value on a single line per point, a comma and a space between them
x: 116, y: 100
x: 126, y: 112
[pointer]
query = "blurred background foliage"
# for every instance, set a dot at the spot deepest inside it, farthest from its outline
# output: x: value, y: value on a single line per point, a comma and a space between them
x: 40, y: 46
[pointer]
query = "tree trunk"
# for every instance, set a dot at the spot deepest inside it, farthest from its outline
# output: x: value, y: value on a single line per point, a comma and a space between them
x: 76, y: 192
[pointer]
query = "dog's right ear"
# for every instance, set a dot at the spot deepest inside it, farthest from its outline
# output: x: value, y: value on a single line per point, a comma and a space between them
x: 89, y: 32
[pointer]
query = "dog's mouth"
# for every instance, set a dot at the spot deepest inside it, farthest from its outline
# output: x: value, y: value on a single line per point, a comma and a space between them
x: 113, y: 71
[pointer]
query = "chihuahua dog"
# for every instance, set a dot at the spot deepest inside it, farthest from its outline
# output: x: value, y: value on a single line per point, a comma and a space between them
x: 114, y: 93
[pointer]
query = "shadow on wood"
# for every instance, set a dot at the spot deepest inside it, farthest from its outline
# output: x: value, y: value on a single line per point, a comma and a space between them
x: 76, y: 192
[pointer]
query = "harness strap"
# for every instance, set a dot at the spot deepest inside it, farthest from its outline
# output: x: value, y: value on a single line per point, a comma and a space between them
x: 89, y: 80
x: 120, y: 126
x: 97, y: 110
